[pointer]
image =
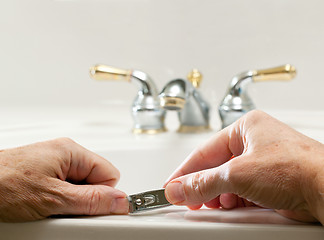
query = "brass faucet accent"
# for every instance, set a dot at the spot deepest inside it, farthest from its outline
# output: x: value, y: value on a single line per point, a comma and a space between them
x: 102, y: 72
x: 195, y: 77
x: 281, y: 73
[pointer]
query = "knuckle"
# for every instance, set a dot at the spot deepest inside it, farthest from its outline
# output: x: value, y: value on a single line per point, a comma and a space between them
x: 93, y: 204
x: 252, y: 118
x: 255, y: 115
x: 198, y: 186
x: 63, y: 141
x: 62, y: 146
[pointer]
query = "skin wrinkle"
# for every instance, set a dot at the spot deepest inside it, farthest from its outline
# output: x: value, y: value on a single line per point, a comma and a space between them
x: 235, y: 146
x: 78, y: 168
x: 93, y: 168
x: 201, y: 154
x: 312, y: 192
x: 37, y: 194
x: 54, y: 197
x: 225, y: 173
x: 203, y: 158
x: 195, y: 183
x: 64, y: 167
x: 62, y: 195
x: 31, y: 200
x: 320, y: 205
x: 278, y: 177
x: 60, y: 148
x: 28, y: 173
x: 31, y: 205
x: 95, y: 197
x: 70, y: 165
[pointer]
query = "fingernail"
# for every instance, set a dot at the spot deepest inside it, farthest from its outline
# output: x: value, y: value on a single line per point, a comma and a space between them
x: 174, y: 192
x: 119, y: 206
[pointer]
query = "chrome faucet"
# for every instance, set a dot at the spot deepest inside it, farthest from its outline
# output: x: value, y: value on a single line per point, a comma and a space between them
x: 183, y: 96
x: 147, y: 113
x: 237, y: 101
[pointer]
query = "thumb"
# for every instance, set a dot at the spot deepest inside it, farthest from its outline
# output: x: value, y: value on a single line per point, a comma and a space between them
x: 199, y: 187
x: 93, y: 200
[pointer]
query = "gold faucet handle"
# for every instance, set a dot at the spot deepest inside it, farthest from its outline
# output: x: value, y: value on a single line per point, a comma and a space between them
x: 195, y: 78
x: 281, y: 73
x: 104, y: 72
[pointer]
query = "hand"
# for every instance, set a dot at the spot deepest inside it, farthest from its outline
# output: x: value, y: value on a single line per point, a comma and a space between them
x: 273, y: 166
x: 40, y: 180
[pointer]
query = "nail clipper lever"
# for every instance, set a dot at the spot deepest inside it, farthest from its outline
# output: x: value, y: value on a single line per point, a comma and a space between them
x: 147, y: 201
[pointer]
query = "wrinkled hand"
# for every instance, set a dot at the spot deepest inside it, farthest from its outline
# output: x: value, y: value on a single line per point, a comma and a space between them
x: 40, y: 180
x: 273, y: 166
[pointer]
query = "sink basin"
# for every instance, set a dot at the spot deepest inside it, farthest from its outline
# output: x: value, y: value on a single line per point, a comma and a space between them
x: 143, y: 170
x: 145, y: 162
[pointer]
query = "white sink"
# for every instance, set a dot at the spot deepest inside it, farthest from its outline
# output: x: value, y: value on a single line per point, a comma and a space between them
x: 145, y: 169
x: 145, y: 162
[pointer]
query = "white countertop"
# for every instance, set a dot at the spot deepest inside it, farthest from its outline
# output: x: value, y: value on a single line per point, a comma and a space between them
x: 107, y: 131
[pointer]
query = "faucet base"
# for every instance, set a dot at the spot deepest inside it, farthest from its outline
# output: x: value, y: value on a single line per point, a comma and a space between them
x: 193, y: 129
x: 148, y: 131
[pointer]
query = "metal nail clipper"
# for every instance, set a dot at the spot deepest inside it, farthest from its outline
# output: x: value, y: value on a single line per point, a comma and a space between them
x: 147, y: 201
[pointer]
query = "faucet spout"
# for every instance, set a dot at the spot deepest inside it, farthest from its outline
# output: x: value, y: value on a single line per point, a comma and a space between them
x: 174, y: 94
x: 193, y: 111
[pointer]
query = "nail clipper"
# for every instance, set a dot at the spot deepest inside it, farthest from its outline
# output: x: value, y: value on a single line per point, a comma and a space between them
x: 147, y: 201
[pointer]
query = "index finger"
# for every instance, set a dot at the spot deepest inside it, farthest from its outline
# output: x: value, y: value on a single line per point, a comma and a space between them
x: 86, y: 166
x: 216, y: 151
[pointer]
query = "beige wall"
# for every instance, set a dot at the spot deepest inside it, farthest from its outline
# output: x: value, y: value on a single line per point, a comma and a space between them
x: 47, y: 46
